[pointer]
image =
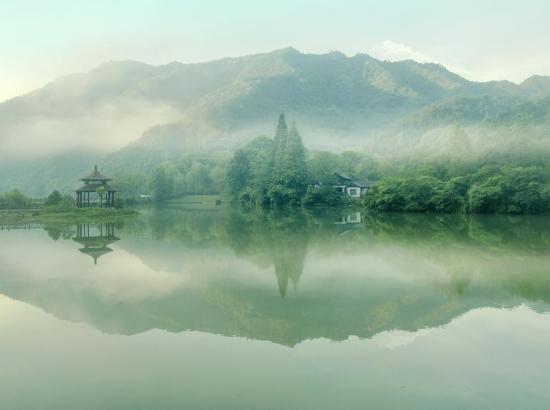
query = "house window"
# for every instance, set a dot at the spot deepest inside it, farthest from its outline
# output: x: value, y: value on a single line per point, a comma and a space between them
x: 353, y: 191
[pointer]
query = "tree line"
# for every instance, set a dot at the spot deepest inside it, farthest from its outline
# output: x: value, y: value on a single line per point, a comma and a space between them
x: 279, y: 172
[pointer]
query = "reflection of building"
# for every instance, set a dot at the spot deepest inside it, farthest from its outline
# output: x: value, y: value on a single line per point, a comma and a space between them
x: 354, y: 218
x: 96, y: 191
x: 347, y: 186
x: 95, y: 239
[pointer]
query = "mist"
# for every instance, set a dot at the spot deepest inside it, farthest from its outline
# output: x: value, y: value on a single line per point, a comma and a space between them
x: 101, y: 128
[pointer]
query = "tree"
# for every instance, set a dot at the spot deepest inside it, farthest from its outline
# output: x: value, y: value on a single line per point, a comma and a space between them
x: 279, y: 147
x: 238, y: 174
x: 487, y: 197
x: 294, y: 172
x: 54, y: 198
x: 198, y: 179
x: 322, y: 196
x: 322, y: 167
x: 14, y: 199
x: 161, y: 184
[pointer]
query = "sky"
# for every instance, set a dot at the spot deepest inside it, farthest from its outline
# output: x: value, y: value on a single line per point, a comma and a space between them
x: 481, y: 40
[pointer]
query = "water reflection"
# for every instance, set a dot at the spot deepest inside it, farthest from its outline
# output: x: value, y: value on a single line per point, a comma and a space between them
x: 95, y: 239
x: 280, y: 277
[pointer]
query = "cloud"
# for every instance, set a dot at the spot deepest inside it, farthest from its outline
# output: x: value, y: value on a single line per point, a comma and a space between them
x: 392, y: 51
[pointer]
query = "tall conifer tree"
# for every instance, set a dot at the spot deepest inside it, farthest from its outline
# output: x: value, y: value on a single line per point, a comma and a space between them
x: 294, y: 168
x: 279, y: 146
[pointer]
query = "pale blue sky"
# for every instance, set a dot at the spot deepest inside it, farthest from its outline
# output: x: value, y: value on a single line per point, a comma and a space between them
x: 482, y: 40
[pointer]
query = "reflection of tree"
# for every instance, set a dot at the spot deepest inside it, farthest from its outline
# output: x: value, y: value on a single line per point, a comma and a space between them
x: 452, y: 264
x: 289, y: 242
x: 279, y: 238
x: 58, y: 231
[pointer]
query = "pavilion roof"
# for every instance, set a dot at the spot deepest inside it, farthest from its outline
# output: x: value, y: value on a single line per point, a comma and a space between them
x: 96, y: 176
x: 96, y: 242
x: 96, y: 253
x: 94, y: 187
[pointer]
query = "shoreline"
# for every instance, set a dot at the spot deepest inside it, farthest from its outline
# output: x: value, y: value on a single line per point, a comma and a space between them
x: 67, y: 216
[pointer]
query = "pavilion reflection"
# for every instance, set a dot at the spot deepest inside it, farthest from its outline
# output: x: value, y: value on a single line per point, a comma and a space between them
x: 95, y: 239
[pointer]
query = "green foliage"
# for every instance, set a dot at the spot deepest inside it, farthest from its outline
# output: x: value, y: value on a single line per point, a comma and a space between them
x: 269, y: 173
x: 279, y: 150
x: 66, y: 203
x: 54, y: 198
x: 322, y: 196
x: 294, y: 173
x: 161, y: 184
x: 191, y: 175
x: 492, y: 189
x: 238, y: 173
x: 322, y: 166
x: 15, y: 199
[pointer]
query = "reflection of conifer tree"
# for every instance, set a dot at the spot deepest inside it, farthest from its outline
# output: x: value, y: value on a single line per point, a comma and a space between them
x: 277, y: 240
x: 289, y: 240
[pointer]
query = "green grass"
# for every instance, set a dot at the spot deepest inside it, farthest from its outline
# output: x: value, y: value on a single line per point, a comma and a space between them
x: 196, y: 201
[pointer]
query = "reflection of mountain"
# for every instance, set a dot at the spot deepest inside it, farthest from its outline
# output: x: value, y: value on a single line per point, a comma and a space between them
x: 395, y: 273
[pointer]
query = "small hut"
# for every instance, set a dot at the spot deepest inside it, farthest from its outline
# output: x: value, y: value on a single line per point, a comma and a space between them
x: 347, y: 186
x: 96, y: 191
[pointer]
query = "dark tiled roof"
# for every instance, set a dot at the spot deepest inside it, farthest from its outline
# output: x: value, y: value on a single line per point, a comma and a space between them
x: 96, y: 176
x: 363, y: 184
x: 346, y: 180
x: 93, y: 188
x: 342, y: 176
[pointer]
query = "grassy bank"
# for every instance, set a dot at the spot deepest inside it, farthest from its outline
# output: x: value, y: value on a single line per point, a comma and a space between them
x: 73, y: 215
x: 196, y: 201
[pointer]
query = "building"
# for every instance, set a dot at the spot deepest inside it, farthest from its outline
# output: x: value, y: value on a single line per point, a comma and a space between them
x: 347, y: 186
x: 350, y: 219
x: 96, y: 191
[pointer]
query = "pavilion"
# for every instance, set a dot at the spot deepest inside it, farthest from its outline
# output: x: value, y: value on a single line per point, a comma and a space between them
x: 96, y: 191
x: 95, y: 239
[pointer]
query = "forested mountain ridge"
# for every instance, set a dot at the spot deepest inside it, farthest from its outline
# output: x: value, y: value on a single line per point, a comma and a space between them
x: 118, y: 102
x: 129, y: 114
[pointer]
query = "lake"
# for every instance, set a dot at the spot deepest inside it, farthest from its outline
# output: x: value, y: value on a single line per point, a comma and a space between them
x: 224, y: 310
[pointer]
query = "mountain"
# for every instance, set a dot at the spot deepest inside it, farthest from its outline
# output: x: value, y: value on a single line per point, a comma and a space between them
x: 141, y: 112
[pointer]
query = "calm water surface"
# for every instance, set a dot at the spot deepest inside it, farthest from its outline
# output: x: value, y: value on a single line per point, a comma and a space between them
x: 218, y: 310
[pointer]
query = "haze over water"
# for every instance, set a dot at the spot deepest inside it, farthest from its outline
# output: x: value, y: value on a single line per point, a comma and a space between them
x: 216, y: 309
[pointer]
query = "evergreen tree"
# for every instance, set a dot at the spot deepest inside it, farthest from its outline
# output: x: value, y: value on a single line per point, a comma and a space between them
x: 238, y: 173
x: 279, y: 146
x: 294, y: 169
x: 54, y: 198
x: 161, y: 184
